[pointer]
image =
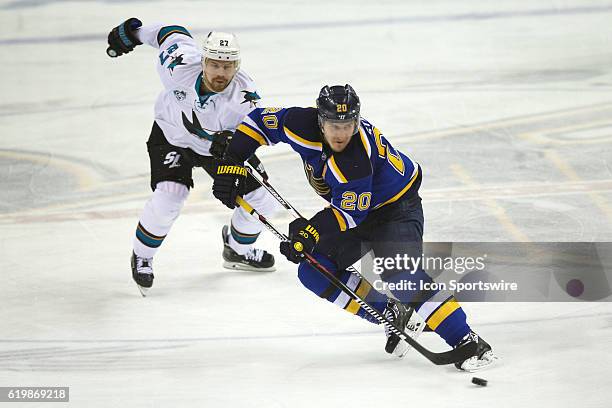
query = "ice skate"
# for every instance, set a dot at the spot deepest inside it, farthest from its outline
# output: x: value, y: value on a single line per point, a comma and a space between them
x: 406, y: 319
x: 254, y: 260
x: 142, y: 273
x: 483, y: 358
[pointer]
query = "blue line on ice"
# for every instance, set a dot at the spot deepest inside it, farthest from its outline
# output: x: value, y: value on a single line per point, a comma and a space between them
x: 548, y: 12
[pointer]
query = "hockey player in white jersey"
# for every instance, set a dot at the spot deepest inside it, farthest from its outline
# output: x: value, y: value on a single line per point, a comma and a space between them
x: 205, y: 97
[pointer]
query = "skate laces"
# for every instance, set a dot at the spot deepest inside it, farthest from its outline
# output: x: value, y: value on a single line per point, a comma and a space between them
x: 255, y: 254
x: 468, y: 338
x: 144, y: 265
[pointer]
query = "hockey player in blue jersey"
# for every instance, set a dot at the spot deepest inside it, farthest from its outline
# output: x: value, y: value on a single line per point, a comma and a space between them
x: 374, y: 206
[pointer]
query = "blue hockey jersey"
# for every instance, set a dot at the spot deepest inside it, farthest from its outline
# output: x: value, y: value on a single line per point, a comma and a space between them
x: 367, y: 175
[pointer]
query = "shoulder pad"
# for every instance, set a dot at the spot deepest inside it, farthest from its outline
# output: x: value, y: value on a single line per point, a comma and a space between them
x: 302, y: 123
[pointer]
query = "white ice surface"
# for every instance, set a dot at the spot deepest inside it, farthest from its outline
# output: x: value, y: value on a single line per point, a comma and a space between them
x: 507, y: 105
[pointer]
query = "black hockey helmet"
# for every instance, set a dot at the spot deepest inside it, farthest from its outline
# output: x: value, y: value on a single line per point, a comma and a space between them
x: 338, y: 103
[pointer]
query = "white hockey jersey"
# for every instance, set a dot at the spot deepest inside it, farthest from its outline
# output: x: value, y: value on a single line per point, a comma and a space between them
x: 187, y: 117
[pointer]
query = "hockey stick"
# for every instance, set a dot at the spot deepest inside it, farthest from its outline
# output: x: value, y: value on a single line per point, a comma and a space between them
x: 288, y: 206
x: 265, y: 184
x: 459, y: 354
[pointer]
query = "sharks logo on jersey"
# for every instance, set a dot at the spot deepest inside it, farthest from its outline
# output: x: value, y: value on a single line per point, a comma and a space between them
x: 194, y: 126
x: 251, y: 97
x: 185, y: 111
x: 176, y: 61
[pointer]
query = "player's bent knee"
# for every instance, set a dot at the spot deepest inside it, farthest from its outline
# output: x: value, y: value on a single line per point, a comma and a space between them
x: 167, y: 201
x: 313, y: 279
x: 262, y: 201
x: 308, y: 276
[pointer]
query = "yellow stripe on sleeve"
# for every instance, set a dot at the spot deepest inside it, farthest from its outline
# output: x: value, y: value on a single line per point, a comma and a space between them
x: 336, y: 169
x: 340, y: 219
x: 364, y: 141
x: 301, y: 140
x: 252, y: 133
x: 442, y: 313
x: 402, y: 192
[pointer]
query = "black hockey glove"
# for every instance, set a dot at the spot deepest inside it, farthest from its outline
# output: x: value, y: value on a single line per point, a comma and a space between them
x: 229, y: 183
x: 219, y: 144
x: 122, y: 39
x: 303, y: 238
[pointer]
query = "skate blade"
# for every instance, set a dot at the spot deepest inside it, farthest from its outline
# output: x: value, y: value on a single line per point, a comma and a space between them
x: 143, y: 290
x: 242, y: 267
x: 401, y: 349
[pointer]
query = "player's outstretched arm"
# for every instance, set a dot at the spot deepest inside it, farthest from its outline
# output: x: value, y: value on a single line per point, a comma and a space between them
x: 233, y: 151
x: 122, y: 39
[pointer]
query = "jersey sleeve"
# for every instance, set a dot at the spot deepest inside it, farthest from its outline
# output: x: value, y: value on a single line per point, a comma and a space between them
x: 265, y: 125
x: 158, y: 35
x: 261, y: 127
x: 179, y: 59
x: 268, y: 126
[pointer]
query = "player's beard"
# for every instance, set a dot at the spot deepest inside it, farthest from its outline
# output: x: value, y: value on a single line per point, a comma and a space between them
x: 218, y: 84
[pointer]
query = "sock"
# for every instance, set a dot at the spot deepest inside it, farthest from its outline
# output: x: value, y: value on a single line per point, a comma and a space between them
x: 444, y: 315
x: 157, y: 217
x: 245, y: 228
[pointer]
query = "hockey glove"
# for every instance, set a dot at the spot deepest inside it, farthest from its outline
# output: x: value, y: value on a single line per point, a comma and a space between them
x: 122, y: 39
x: 219, y: 144
x: 302, y: 238
x: 229, y: 183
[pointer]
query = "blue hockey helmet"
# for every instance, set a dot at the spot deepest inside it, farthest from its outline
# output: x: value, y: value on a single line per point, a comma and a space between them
x: 338, y: 104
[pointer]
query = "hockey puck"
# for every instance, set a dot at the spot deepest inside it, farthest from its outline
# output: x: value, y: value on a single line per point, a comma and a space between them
x: 479, y: 381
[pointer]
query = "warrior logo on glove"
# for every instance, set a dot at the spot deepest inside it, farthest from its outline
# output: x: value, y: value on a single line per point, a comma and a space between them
x: 239, y: 170
x: 229, y: 182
